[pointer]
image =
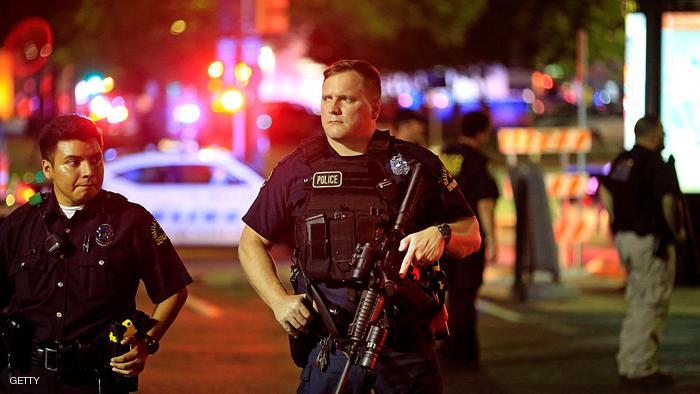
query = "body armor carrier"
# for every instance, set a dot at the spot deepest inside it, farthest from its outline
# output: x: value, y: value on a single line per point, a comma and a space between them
x: 349, y: 199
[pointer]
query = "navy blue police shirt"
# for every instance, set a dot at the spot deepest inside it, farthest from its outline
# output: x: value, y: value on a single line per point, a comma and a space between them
x: 470, y: 168
x: 282, y: 199
x: 72, y: 293
x: 638, y: 180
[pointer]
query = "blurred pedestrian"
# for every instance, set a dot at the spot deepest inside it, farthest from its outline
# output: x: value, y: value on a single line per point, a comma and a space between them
x: 337, y: 191
x: 70, y: 264
x: 412, y: 127
x: 469, y: 165
x: 641, y: 197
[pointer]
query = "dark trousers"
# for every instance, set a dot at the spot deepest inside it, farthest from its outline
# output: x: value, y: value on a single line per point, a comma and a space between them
x: 49, y: 383
x: 464, y: 277
x: 395, y: 372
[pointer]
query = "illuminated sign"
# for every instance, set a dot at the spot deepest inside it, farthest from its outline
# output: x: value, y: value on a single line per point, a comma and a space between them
x: 680, y: 103
x: 635, y: 73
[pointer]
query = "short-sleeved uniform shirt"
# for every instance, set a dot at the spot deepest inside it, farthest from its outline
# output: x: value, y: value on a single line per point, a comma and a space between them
x: 282, y: 199
x: 108, y: 246
x: 470, y: 168
x: 637, y: 181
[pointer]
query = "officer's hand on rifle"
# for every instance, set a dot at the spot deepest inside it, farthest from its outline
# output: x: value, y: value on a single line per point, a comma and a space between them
x: 422, y: 248
x: 132, y: 362
x: 292, y: 313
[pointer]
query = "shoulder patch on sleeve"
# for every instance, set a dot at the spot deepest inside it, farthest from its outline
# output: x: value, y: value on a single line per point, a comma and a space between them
x: 432, y: 162
x: 159, y: 236
x: 453, y: 162
x: 447, y: 180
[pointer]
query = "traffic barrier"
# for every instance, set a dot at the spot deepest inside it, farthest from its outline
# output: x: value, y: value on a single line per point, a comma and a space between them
x: 528, y: 140
x: 576, y: 227
x: 566, y: 185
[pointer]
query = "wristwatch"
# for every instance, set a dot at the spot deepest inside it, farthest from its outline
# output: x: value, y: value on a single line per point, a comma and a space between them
x: 152, y: 344
x: 446, y: 231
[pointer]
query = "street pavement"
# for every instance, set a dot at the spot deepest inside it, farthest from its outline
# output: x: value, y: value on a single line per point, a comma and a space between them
x: 563, y: 340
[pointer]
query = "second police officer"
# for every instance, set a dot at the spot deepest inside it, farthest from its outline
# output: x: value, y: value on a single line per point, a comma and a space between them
x: 325, y: 195
x: 70, y: 264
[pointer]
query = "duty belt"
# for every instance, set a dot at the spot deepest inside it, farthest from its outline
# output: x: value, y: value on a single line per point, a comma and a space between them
x: 57, y: 357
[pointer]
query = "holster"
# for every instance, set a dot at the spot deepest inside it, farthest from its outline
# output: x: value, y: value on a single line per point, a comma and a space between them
x: 114, y: 334
x: 300, y: 345
x: 17, y: 335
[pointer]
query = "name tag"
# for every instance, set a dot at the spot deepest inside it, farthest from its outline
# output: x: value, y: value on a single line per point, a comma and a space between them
x: 327, y: 179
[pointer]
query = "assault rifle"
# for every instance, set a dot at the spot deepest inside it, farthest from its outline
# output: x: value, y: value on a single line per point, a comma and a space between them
x: 376, y: 269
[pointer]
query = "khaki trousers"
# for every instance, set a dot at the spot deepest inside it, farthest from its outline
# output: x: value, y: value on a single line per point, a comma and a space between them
x: 648, y: 294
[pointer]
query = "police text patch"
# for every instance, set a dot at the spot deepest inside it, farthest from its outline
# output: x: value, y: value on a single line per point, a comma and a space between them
x: 327, y: 179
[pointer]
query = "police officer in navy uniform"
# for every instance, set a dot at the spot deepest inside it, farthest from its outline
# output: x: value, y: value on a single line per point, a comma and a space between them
x: 469, y: 165
x: 325, y: 194
x: 641, y: 195
x: 70, y: 263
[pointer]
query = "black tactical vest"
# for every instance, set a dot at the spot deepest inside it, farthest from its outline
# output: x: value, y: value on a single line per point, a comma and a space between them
x: 344, y: 207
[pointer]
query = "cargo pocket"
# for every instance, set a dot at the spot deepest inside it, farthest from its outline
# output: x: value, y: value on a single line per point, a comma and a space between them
x: 26, y: 273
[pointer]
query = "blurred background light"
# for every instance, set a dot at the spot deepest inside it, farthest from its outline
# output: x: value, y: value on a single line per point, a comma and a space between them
x: 232, y: 100
x: 264, y: 121
x: 216, y: 69
x: 187, y: 113
x: 174, y: 89
x: 439, y: 99
x: 46, y: 50
x: 178, y: 27
x: 118, y: 114
x: 538, y: 107
x: 206, y: 154
x: 405, y: 100
x: 30, y: 50
x: 243, y: 73
x: 107, y: 85
x: 100, y: 108
x: 266, y: 59
x: 94, y: 85
x: 215, y: 85
x: 555, y: 70
x: 110, y: 154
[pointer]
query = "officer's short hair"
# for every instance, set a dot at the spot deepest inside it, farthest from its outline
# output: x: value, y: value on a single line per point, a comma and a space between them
x: 474, y: 123
x: 65, y: 128
x: 369, y: 74
x: 646, y: 126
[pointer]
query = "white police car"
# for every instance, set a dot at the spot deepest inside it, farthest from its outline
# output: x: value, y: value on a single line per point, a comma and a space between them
x: 198, y: 198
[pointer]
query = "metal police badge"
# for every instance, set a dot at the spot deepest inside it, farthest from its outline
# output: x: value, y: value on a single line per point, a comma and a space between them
x: 104, y: 236
x: 399, y: 165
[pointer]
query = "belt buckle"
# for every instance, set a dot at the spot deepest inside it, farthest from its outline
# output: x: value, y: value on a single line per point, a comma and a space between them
x: 47, y: 364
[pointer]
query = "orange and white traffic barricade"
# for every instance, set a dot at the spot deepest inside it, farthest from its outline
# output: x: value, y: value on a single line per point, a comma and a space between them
x: 574, y: 227
x: 566, y: 185
x: 530, y: 141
